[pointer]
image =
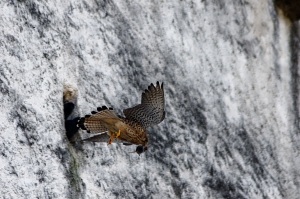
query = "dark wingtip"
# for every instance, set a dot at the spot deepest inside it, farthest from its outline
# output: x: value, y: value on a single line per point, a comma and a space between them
x: 80, y: 123
x: 104, y: 107
x: 94, y: 112
x: 157, y: 84
x: 87, y: 116
x: 101, y: 108
x: 151, y: 85
x: 160, y: 86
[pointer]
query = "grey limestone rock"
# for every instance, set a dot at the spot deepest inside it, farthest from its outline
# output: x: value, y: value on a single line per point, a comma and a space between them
x: 231, y: 77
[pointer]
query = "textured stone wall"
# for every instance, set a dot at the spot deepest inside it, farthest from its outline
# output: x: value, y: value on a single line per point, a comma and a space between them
x: 231, y: 77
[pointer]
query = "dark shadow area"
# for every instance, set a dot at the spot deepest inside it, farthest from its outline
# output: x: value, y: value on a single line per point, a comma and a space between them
x: 228, y: 185
x: 294, y: 68
x: 290, y: 8
x: 223, y: 186
x: 70, y: 125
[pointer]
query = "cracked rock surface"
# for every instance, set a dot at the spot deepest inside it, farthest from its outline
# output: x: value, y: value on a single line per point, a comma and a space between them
x: 230, y: 73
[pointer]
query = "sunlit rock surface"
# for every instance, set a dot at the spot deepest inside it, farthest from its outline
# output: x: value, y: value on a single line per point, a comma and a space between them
x: 230, y: 72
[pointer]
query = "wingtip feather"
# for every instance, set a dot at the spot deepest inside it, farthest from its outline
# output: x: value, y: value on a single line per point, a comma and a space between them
x: 80, y: 123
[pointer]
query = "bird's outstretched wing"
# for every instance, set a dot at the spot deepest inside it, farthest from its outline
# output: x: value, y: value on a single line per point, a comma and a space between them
x: 93, y: 123
x: 151, y: 111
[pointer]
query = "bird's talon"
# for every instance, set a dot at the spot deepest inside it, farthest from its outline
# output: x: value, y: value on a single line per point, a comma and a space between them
x: 110, y: 140
x: 118, y: 134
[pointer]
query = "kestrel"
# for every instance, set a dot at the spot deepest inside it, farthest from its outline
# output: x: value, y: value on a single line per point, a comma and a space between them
x: 130, y: 129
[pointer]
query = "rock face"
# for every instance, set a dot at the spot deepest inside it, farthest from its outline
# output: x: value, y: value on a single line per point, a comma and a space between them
x: 231, y: 77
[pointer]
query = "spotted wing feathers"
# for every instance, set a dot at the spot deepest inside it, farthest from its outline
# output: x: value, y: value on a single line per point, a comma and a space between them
x: 151, y: 111
x: 92, y: 123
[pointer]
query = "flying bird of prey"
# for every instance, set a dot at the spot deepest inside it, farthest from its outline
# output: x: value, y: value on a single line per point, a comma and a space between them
x: 130, y: 129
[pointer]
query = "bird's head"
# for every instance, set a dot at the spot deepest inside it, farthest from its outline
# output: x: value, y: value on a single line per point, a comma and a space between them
x: 142, y: 148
